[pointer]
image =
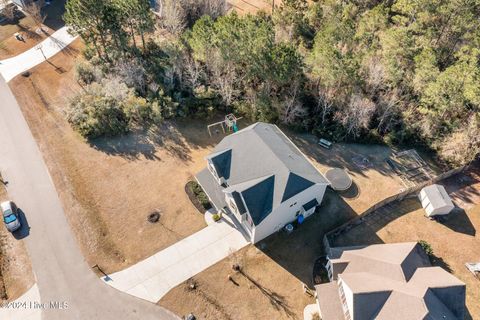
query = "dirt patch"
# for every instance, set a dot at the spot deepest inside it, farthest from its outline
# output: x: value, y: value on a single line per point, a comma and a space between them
x: 109, y: 186
x: 10, y: 46
x: 373, y: 179
x: 16, y: 275
x: 251, y: 6
x: 454, y: 241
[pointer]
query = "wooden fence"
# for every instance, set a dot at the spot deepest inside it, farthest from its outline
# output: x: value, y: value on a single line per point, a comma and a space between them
x: 412, y: 191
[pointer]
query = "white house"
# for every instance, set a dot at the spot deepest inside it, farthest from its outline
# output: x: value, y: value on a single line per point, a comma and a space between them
x: 260, y: 176
x: 435, y: 200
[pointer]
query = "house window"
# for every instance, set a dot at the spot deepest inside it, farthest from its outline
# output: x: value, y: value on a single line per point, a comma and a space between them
x: 233, y: 206
x: 346, y: 312
x: 249, y: 220
x: 212, y: 169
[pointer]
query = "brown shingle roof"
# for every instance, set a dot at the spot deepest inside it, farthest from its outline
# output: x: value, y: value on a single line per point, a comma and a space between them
x: 396, y: 281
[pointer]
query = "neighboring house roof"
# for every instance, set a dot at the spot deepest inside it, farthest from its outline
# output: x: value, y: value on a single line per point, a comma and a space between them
x: 264, y: 166
x: 386, y: 278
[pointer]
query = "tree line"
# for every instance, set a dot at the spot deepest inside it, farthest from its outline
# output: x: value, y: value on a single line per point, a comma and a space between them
x: 395, y: 71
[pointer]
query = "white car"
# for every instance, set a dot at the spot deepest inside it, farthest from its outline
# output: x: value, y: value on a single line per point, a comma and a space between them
x: 10, y: 216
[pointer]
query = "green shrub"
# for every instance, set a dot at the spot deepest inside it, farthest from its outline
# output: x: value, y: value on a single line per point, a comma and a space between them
x: 85, y: 73
x: 200, y: 194
x: 426, y: 247
x: 93, y: 114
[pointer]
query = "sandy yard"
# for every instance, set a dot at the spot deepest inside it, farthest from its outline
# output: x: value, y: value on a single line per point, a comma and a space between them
x: 110, y: 186
x: 371, y: 183
x: 454, y: 242
x: 251, y: 6
x: 16, y: 275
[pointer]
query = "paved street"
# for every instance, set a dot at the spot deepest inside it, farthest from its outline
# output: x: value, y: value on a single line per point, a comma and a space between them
x: 61, y: 272
x: 153, y: 277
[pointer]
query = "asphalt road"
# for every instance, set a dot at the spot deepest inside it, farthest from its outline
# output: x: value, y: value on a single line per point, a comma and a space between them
x: 61, y: 272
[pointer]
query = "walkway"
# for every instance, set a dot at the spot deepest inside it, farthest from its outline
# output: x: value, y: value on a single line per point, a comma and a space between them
x: 24, y: 308
x: 61, y: 271
x: 153, y: 277
x: 9, y: 68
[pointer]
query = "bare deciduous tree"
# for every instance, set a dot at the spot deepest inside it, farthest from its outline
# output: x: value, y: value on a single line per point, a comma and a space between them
x: 356, y: 115
x: 35, y: 11
x: 325, y: 101
x: 292, y: 108
x: 9, y: 10
x: 133, y: 74
x: 172, y: 16
x: 388, y: 109
x: 193, y: 72
x: 224, y: 78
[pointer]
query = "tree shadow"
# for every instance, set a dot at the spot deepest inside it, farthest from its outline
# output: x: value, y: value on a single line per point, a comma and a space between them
x: 147, y: 142
x: 28, y: 32
x: 54, y: 14
x: 355, y: 157
x: 364, y: 230
x: 130, y: 146
x: 297, y: 251
x: 65, y: 48
x: 276, y: 300
x: 24, y: 230
x: 458, y: 221
x: 464, y: 187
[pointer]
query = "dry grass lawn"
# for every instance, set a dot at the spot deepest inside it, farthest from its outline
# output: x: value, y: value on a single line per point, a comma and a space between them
x: 251, y: 6
x: 109, y: 186
x: 281, y: 263
x: 371, y: 183
x: 454, y: 242
x: 274, y: 270
x: 10, y: 46
x: 16, y: 275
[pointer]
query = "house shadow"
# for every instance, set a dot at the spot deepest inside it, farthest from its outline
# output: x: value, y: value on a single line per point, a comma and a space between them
x: 458, y: 221
x: 352, y: 192
x: 297, y: 251
x: 24, y: 230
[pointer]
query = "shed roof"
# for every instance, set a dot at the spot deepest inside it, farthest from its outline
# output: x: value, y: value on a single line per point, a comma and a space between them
x: 437, y: 196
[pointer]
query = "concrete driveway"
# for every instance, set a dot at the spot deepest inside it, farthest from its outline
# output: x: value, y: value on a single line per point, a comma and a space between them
x: 153, y: 277
x: 62, y: 273
x: 59, y: 40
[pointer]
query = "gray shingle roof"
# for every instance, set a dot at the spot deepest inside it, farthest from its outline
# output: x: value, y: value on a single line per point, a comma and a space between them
x: 222, y: 162
x: 256, y: 153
